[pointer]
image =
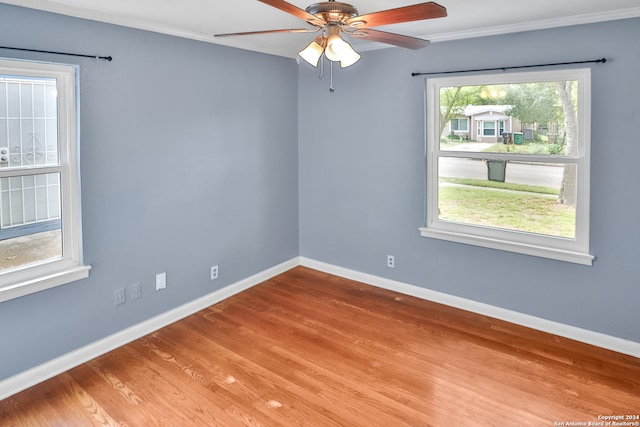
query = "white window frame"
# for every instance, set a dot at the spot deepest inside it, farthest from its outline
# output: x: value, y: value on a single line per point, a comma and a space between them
x: 27, y: 279
x: 570, y: 250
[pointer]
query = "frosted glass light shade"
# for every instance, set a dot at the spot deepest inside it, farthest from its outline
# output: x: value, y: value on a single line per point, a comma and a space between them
x: 335, y: 45
x: 339, y: 50
x: 349, y: 58
x: 312, y: 53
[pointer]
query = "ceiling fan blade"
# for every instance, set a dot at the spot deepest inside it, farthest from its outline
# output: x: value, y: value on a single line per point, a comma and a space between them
x: 295, y: 11
x: 249, y: 33
x: 407, y: 42
x: 416, y: 12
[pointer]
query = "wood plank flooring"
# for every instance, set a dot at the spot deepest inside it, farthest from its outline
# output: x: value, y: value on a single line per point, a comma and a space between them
x: 310, y: 349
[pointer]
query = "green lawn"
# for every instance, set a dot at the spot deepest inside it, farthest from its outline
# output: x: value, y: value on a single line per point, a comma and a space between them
x: 517, y: 210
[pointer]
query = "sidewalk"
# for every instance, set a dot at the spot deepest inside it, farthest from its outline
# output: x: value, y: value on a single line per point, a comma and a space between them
x: 471, y: 146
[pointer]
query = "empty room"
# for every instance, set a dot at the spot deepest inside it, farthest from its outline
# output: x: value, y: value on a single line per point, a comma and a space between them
x: 278, y: 213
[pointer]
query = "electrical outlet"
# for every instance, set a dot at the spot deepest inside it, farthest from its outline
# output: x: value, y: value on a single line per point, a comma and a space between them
x: 391, y: 261
x: 120, y: 296
x: 161, y: 281
x: 214, y: 272
x: 136, y: 290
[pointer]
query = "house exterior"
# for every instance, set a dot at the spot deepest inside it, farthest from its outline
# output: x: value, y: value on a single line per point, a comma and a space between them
x: 482, y: 123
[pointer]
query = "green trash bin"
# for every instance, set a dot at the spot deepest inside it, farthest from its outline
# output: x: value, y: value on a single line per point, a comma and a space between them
x: 518, y: 137
x: 496, y: 170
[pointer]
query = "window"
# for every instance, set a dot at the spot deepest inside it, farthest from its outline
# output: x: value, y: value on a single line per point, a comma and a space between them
x: 527, y: 196
x: 488, y: 128
x: 460, y: 124
x: 40, y: 236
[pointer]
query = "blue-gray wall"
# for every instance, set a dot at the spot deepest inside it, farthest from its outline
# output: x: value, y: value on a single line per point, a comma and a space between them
x: 362, y: 178
x: 189, y: 158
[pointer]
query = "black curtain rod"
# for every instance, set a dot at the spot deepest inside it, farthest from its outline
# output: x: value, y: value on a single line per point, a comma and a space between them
x: 602, y: 60
x: 106, y: 58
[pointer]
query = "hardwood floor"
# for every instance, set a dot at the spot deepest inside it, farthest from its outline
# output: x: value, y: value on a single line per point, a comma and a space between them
x: 308, y: 348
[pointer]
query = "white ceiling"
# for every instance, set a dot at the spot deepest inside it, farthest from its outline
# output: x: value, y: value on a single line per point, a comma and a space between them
x: 201, y: 19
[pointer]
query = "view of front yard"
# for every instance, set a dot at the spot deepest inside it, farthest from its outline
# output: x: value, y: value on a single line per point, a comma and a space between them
x: 509, y: 155
x: 508, y: 205
x: 526, y: 210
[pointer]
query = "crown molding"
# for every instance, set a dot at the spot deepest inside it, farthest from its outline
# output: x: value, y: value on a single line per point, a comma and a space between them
x: 519, y: 27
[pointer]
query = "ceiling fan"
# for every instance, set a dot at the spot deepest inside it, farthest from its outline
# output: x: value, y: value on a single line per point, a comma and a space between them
x: 334, y: 18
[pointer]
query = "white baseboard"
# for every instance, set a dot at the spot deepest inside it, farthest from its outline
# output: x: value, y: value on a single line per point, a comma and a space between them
x: 31, y: 377
x: 578, y: 334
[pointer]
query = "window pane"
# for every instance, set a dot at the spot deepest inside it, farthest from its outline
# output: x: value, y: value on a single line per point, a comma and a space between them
x: 533, y: 198
x: 459, y: 124
x: 28, y: 121
x: 30, y: 229
x: 539, y: 118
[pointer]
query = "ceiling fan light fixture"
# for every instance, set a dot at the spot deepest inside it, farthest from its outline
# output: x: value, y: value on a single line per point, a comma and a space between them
x: 332, y: 51
x: 349, y: 59
x: 313, y: 51
x: 334, y: 17
x: 338, y: 50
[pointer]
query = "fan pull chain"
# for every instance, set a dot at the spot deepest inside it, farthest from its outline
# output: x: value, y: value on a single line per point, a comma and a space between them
x: 321, y: 76
x: 331, y: 89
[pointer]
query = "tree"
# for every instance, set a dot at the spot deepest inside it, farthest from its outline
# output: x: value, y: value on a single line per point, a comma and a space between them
x: 533, y: 103
x: 453, y: 100
x: 569, y: 176
x: 451, y: 105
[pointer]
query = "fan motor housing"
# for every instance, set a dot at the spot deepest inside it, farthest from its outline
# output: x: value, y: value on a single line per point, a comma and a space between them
x: 333, y: 11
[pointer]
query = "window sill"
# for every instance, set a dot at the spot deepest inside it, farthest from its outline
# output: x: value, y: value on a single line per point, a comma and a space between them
x: 522, y: 248
x: 43, y: 282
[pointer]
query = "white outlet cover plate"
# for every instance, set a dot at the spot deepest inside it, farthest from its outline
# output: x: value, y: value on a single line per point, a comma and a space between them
x: 161, y: 281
